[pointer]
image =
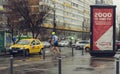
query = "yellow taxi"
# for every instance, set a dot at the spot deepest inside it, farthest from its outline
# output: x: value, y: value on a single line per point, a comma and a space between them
x: 87, y: 47
x: 26, y: 47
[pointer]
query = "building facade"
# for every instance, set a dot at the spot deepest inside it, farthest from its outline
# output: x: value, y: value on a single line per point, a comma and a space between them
x: 72, y: 17
x: 105, y: 2
x: 2, y: 15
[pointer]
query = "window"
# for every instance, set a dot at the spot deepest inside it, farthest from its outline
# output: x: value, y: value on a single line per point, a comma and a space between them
x: 74, y: 4
x: 59, y: 11
x: 59, y: 6
x: 33, y: 42
x: 37, y: 42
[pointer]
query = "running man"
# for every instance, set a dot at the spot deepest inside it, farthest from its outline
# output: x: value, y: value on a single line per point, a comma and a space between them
x: 54, y: 43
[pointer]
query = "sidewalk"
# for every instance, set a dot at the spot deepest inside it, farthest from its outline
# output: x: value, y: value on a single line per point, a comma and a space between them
x: 21, y: 65
x: 86, y: 65
x: 74, y: 65
x: 47, y: 65
x: 78, y: 64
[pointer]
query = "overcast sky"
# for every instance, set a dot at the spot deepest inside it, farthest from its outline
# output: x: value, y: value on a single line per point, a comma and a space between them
x: 117, y: 3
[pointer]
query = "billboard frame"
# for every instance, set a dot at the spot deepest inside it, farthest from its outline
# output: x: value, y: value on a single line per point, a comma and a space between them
x: 102, y: 53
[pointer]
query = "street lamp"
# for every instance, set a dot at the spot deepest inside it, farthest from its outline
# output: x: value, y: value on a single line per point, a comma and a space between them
x: 54, y: 18
x: 83, y: 29
x: 83, y: 23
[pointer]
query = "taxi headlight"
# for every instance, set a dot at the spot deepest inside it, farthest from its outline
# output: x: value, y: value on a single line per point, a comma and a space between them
x: 10, y: 48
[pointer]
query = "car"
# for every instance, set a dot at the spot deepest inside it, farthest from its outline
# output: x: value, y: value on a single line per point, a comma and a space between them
x: 26, y: 47
x: 46, y: 44
x: 63, y: 43
x: 118, y: 45
x: 87, y: 47
x: 80, y: 44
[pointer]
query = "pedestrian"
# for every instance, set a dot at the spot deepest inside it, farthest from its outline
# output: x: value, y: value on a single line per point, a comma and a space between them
x: 54, y: 43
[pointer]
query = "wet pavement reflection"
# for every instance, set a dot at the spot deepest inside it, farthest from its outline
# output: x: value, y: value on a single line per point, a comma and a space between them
x: 78, y: 64
x: 97, y: 62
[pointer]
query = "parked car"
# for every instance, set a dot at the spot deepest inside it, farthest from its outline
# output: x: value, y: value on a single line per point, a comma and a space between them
x: 118, y: 45
x: 63, y: 43
x: 46, y: 44
x: 26, y: 47
x: 80, y: 44
x: 87, y: 47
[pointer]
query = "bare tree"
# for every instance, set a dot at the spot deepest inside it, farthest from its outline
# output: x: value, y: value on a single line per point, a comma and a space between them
x: 32, y: 14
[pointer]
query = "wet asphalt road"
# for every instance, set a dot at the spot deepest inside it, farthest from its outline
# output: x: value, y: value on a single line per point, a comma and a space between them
x: 78, y: 64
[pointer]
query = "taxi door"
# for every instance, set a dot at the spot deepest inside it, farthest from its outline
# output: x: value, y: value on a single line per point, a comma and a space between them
x: 33, y: 47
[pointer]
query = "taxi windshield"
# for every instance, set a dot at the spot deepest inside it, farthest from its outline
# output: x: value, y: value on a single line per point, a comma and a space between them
x: 23, y: 42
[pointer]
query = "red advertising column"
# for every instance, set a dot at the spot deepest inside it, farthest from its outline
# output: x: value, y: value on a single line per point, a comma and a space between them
x: 102, y: 30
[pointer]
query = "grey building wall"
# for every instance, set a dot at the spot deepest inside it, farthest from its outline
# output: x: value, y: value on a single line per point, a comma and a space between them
x: 3, y: 2
x: 105, y: 2
x: 2, y: 15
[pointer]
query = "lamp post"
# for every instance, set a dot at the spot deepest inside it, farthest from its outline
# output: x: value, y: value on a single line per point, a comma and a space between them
x: 83, y: 23
x: 54, y: 18
x: 83, y: 30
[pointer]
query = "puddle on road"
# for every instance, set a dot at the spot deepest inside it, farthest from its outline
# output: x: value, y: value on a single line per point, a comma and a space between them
x: 29, y: 58
x: 98, y: 62
x: 84, y: 68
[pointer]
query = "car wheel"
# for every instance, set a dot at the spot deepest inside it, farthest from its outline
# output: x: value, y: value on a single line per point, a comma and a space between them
x: 26, y: 53
x: 87, y: 49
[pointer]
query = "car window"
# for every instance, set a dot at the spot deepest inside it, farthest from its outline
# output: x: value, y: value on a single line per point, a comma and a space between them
x: 33, y: 42
x: 23, y: 42
x: 37, y: 42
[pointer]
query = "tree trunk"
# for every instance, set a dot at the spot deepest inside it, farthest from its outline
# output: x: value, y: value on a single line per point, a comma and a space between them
x: 12, y: 37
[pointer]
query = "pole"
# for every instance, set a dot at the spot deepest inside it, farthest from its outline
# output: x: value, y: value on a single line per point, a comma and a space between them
x: 117, y: 65
x: 11, y: 64
x: 24, y: 55
x: 54, y: 19
x: 82, y: 51
x: 72, y: 52
x: 44, y: 54
x: 59, y: 65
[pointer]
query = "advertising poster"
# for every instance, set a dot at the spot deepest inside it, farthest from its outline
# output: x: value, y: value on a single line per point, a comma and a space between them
x: 103, y: 29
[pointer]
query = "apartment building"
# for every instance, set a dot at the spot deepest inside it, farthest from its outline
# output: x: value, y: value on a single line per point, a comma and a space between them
x: 72, y: 17
x: 105, y: 2
x: 2, y: 15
